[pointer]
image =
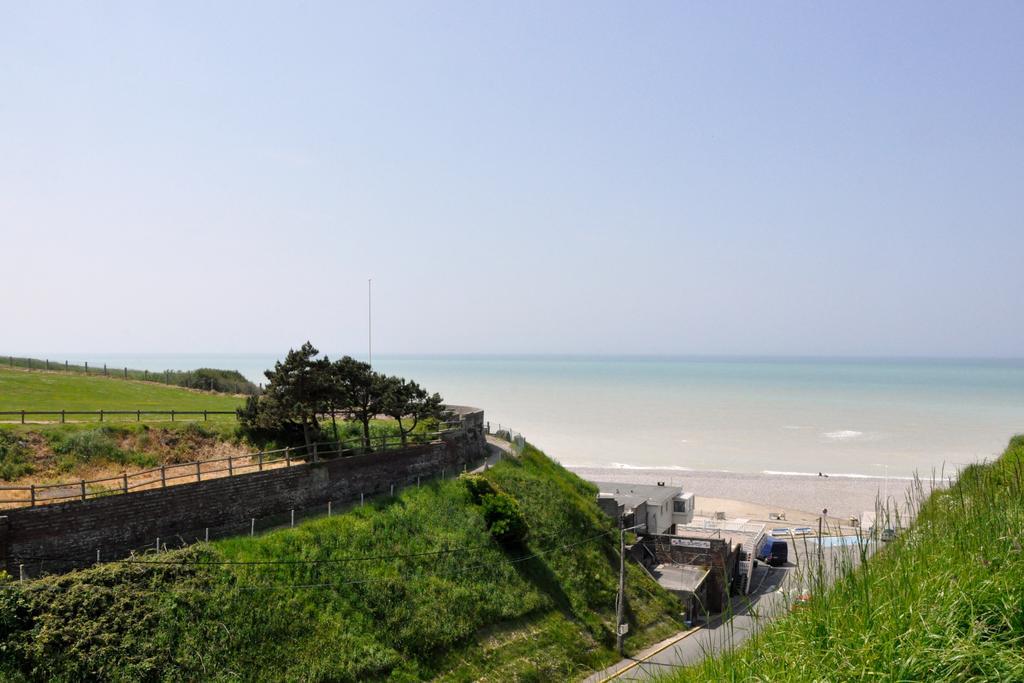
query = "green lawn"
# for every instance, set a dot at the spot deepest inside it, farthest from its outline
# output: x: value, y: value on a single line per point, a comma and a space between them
x: 433, y: 596
x: 37, y: 390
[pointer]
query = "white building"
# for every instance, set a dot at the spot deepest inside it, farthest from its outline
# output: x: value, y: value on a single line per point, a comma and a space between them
x: 658, y: 507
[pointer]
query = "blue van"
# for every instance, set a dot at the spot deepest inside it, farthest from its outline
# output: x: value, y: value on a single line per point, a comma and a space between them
x: 773, y: 551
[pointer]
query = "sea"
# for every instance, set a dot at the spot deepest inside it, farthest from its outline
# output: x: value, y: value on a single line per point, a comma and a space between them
x: 788, y: 416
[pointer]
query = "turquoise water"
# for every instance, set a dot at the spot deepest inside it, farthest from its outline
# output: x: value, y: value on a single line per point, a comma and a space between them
x: 839, y: 417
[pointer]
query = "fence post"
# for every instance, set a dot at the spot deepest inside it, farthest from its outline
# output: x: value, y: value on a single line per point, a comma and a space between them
x: 417, y: 481
x: 138, y: 416
x: 32, y: 494
x: 172, y: 416
x: 105, y: 374
x: 65, y: 370
x: 101, y: 416
x: 158, y: 545
x: 206, y: 535
x: 47, y: 361
x: 293, y: 517
x: 261, y: 460
x: 360, y: 499
x: 23, y: 417
x: 199, y: 473
x: 163, y: 476
x: 205, y: 418
x: 231, y: 469
x: 83, y: 489
x: 287, y: 457
x: 392, y: 489
x: 97, y: 555
x: 21, y: 572
x: 87, y: 367
x: 126, y: 373
x: 328, y: 508
x: 124, y: 480
x: 252, y: 527
x: 314, y: 452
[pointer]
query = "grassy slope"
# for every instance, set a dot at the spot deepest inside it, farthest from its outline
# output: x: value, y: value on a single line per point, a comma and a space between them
x: 944, y: 601
x: 24, y: 390
x: 473, y: 611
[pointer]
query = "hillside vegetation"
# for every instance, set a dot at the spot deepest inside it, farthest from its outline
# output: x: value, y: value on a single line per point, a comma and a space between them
x: 944, y: 601
x: 411, y: 587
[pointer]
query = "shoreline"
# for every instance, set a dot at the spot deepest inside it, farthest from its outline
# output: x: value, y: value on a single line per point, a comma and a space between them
x: 754, y: 495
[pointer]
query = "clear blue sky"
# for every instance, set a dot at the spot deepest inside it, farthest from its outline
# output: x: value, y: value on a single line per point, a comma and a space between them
x: 769, y: 178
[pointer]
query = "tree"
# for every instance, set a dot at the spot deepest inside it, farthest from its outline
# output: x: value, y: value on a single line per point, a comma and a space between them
x: 361, y: 392
x: 408, y: 401
x: 298, y: 391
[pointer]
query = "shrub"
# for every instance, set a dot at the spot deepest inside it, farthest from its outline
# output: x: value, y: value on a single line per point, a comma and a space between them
x: 94, y: 444
x: 14, y: 457
x: 504, y: 517
x: 478, y: 486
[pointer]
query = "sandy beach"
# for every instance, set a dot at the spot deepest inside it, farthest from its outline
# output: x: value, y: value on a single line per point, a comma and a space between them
x: 755, y: 495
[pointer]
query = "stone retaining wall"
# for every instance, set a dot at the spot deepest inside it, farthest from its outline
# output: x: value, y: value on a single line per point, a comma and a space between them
x: 60, y: 536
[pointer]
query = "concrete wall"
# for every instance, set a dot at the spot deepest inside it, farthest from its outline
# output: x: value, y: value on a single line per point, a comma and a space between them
x: 60, y: 536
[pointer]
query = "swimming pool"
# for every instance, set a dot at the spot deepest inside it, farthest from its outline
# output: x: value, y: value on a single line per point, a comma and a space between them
x: 838, y: 541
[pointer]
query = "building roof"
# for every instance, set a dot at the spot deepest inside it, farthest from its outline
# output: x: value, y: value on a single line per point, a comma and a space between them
x: 733, y: 531
x: 680, y: 577
x: 631, y: 495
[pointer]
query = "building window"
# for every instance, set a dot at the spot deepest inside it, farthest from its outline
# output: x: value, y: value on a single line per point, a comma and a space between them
x: 679, y: 505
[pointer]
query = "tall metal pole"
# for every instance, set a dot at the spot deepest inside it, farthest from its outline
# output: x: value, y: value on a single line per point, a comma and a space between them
x: 622, y: 588
x: 369, y: 320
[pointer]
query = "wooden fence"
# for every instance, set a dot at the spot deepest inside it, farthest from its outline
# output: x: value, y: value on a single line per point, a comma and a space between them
x: 198, y: 470
x: 63, y: 414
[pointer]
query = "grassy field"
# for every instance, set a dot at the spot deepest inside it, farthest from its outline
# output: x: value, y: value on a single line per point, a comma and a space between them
x: 212, y: 379
x: 408, y: 588
x: 942, y: 602
x: 39, y: 390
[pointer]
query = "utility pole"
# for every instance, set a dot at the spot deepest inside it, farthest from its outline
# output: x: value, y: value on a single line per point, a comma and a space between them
x: 369, y: 320
x: 620, y: 602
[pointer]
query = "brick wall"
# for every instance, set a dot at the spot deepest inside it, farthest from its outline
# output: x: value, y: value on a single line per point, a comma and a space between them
x: 60, y: 536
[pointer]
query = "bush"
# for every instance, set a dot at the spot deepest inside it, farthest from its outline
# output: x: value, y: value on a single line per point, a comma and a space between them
x: 211, y: 379
x: 14, y: 456
x: 504, y: 517
x: 94, y: 444
x: 478, y: 486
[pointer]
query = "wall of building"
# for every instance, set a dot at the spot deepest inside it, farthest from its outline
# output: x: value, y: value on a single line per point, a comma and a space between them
x: 718, y: 556
x: 60, y: 536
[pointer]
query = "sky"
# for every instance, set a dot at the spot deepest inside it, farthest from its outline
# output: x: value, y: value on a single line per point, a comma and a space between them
x: 529, y: 177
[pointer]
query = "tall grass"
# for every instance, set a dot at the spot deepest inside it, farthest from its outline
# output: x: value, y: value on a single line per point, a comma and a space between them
x: 943, y: 601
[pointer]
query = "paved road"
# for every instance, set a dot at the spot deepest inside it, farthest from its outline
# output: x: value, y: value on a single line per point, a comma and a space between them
x: 496, y: 450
